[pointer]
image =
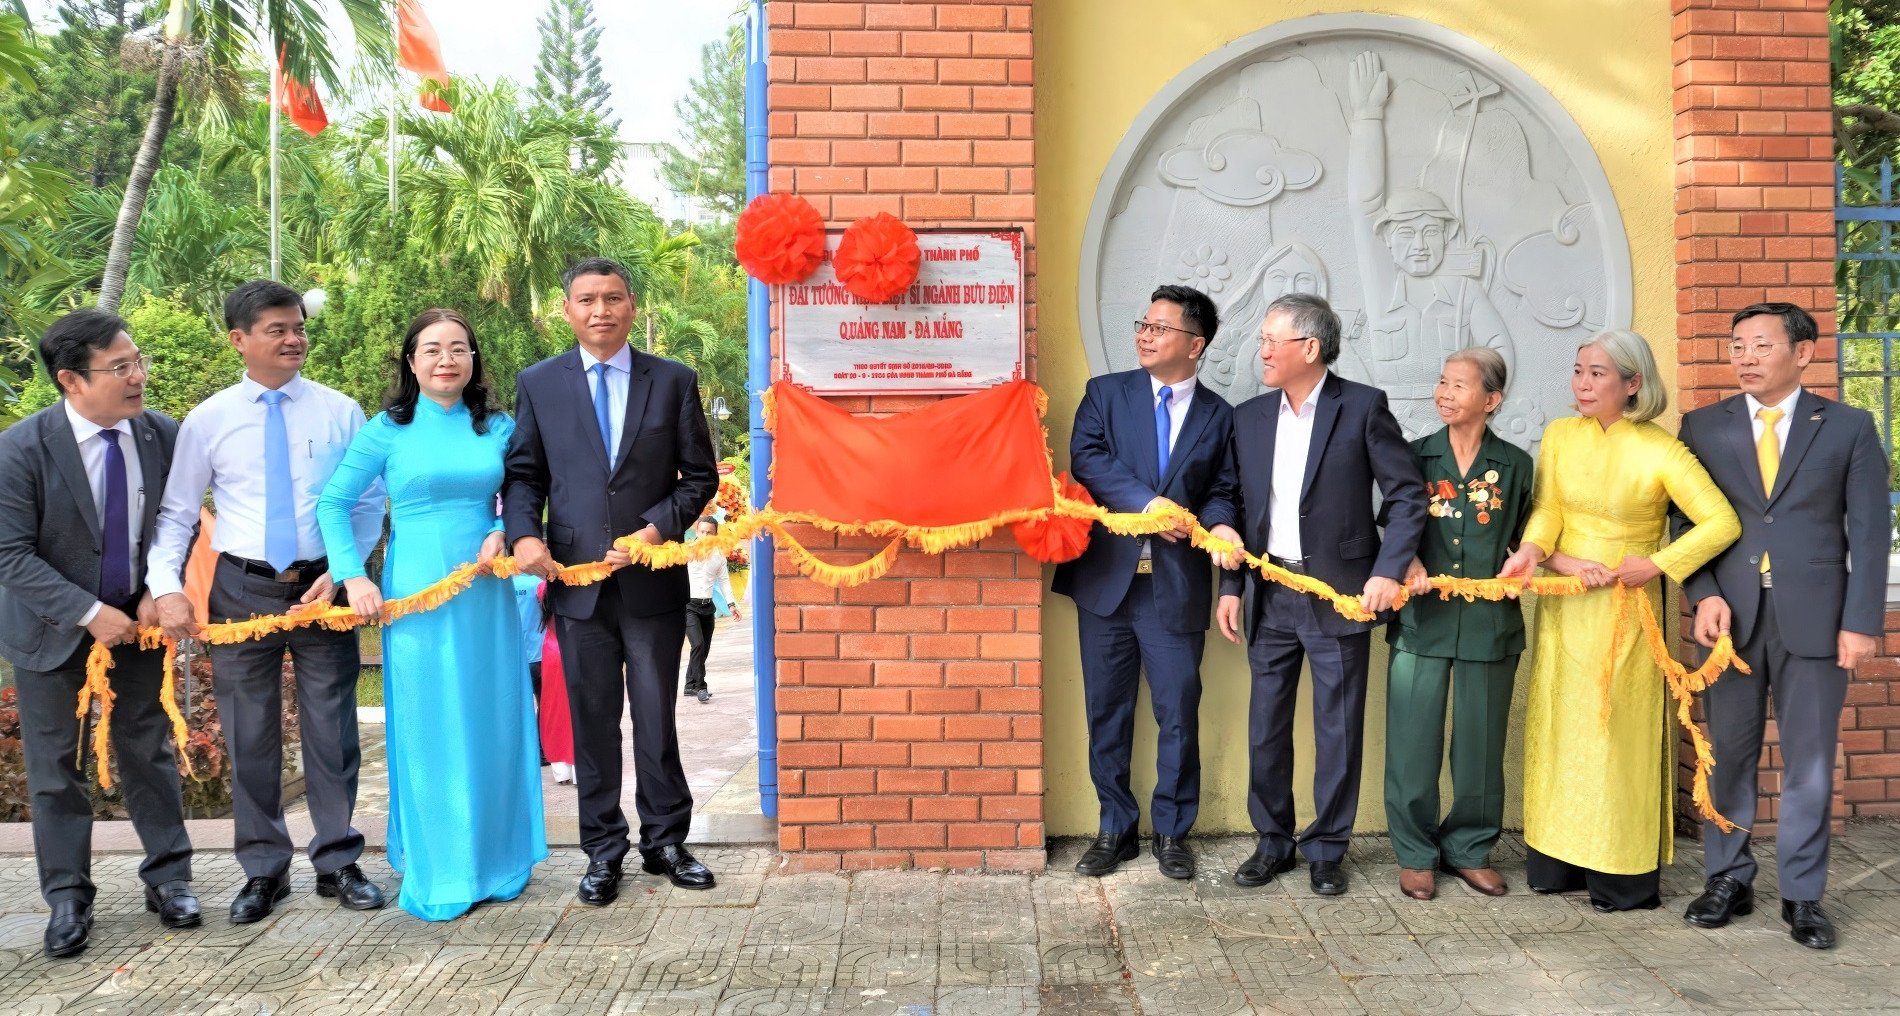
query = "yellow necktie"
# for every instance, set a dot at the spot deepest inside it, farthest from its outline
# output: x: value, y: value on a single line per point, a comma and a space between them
x: 1768, y: 453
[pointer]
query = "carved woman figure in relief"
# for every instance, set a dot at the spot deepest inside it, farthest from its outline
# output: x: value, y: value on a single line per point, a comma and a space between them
x: 1423, y: 298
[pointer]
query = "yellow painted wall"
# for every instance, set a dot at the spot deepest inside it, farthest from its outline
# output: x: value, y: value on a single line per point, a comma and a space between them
x: 1098, y: 62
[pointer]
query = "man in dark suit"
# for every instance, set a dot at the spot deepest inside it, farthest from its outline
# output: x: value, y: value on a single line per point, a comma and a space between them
x: 79, y: 490
x: 1144, y: 439
x: 610, y: 441
x: 1802, y: 594
x: 1316, y: 424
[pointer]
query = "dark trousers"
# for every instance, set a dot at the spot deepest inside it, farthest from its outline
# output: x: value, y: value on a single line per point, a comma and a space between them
x: 1548, y: 874
x: 1116, y: 649
x: 1808, y: 694
x: 1417, y: 689
x: 614, y: 661
x: 1288, y: 635
x: 147, y: 770
x: 699, y: 632
x: 248, y: 678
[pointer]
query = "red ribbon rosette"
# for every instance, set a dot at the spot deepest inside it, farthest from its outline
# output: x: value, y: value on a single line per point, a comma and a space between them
x: 781, y: 239
x: 877, y: 258
x: 1057, y: 538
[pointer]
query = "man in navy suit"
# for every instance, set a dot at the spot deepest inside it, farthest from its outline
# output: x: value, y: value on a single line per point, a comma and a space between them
x: 612, y: 441
x: 1316, y: 423
x: 1145, y: 439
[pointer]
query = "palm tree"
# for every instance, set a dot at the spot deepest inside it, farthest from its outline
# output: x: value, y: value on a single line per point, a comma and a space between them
x: 496, y: 185
x: 224, y: 32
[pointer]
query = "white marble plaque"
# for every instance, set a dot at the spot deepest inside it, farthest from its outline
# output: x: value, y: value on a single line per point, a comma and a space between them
x: 958, y: 328
x: 1434, y: 193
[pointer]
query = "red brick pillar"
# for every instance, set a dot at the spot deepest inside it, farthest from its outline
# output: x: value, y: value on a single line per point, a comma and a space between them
x: 1754, y: 222
x: 910, y: 708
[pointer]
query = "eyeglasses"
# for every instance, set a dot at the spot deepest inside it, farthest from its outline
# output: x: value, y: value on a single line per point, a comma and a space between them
x: 445, y: 354
x: 120, y: 370
x: 1155, y: 328
x: 1277, y: 343
x: 1758, y: 350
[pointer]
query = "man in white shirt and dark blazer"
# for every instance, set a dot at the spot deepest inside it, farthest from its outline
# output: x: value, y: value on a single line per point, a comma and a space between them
x: 79, y: 485
x: 1309, y: 457
x: 265, y: 447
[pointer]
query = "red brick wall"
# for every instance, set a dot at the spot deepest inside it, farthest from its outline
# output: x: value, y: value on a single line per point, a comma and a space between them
x: 910, y: 709
x: 1755, y: 221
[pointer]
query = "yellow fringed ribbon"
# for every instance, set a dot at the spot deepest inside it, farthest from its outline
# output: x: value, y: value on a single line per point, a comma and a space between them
x: 1683, y: 683
x: 98, y: 688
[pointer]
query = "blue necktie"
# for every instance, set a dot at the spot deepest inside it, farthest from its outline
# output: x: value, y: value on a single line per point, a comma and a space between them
x: 602, y: 415
x: 1162, y: 425
x: 280, y: 499
x: 115, y: 564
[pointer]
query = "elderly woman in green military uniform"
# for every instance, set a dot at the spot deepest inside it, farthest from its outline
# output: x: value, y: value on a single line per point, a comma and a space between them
x: 1464, y: 651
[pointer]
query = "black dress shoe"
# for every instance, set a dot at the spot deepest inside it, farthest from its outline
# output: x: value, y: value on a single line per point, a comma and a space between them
x: 601, y: 885
x: 1327, y: 878
x: 348, y: 886
x: 1107, y: 853
x: 1263, y: 867
x: 1174, y: 856
x: 68, y: 928
x: 1807, y: 923
x: 174, y: 904
x: 1724, y: 899
x: 1602, y: 906
x: 259, y: 895
x: 678, y: 865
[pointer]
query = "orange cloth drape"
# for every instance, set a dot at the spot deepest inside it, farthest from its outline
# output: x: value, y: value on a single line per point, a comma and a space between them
x: 951, y: 463
x: 200, y: 566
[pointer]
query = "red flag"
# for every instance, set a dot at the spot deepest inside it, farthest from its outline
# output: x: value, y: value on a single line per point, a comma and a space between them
x: 299, y: 102
x: 419, y: 50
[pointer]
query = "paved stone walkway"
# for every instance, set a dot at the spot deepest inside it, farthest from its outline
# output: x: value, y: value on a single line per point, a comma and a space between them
x: 918, y: 943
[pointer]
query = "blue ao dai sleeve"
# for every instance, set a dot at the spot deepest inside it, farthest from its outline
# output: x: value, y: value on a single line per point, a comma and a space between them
x: 363, y: 464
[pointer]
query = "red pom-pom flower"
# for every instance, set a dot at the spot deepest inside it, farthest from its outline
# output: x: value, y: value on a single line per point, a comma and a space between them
x: 877, y: 258
x: 1057, y: 538
x: 781, y: 239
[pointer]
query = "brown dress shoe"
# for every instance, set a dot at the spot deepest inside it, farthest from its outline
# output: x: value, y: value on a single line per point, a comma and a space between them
x: 1483, y: 880
x: 1418, y: 883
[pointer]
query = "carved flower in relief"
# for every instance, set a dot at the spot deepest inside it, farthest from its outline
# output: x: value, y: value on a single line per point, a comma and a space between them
x: 1204, y: 268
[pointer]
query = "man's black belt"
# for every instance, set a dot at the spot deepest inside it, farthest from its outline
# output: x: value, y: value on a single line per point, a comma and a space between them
x: 298, y: 572
x: 1297, y: 567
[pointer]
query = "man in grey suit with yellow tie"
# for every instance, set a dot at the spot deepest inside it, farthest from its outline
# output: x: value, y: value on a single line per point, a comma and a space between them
x: 79, y: 491
x: 1802, y: 594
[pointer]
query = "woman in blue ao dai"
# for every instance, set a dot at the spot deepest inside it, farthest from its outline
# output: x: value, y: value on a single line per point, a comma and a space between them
x: 465, y: 822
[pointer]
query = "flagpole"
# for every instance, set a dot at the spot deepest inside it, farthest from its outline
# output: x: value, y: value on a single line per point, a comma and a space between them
x: 395, y: 93
x: 276, y: 250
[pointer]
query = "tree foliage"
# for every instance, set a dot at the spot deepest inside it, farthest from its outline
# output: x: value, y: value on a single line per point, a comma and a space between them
x: 567, y: 73
x: 712, y: 116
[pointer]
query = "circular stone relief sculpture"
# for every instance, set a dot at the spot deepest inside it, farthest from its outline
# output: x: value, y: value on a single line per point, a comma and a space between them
x: 1434, y: 193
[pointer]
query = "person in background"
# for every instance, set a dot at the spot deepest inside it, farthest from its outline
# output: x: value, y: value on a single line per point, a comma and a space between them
x: 1466, y: 651
x: 1598, y: 785
x: 465, y: 817
x: 265, y: 447
x: 527, y: 589
x: 709, y: 577
x: 80, y: 483
x: 1802, y: 595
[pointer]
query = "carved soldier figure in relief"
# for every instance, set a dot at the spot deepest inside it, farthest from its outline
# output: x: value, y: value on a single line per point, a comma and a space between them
x: 1422, y: 304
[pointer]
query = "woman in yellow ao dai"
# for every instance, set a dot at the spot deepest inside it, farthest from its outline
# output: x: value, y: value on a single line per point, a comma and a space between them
x: 1598, y: 785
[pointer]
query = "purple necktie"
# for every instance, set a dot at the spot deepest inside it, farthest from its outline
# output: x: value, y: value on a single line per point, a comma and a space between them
x: 115, y: 564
